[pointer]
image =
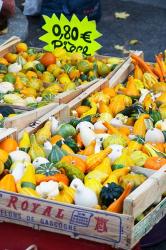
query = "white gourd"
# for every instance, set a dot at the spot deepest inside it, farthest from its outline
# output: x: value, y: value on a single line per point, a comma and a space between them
x: 47, y: 148
x: 17, y: 170
x: 154, y: 135
x: 99, y: 125
x: 39, y: 161
x: 84, y: 196
x: 116, y: 151
x: 54, y: 124
x: 85, y: 124
x: 19, y: 155
x: 87, y: 135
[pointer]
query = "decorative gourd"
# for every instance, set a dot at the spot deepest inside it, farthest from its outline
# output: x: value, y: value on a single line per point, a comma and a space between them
x: 89, y: 150
x: 70, y: 170
x: 20, y: 155
x: 116, y: 151
x: 47, y: 169
x: 105, y: 166
x: 153, y: 151
x: 28, y: 179
x: 54, y: 124
x: 93, y: 184
x: 155, y: 115
x: 7, y: 183
x: 76, y: 161
x: 154, y: 135
x: 66, y: 130
x: 94, y: 160
x: 35, y: 150
x: 47, y: 148
x: 87, y: 135
x: 44, y: 134
x: 85, y: 124
x: 103, y: 108
x: 24, y: 143
x: 67, y: 149
x: 5, y: 158
x: 139, y: 126
x: 99, y: 126
x: 83, y: 196
x: 155, y: 162
x: 135, y: 179
x: 72, y: 144
x: 138, y: 158
x: 66, y: 194
x: 117, y: 205
x: 109, y: 193
x: 131, y: 89
x: 39, y: 161
x: 124, y: 160
x: 17, y: 170
x: 48, y: 189
x: 116, y: 174
x: 56, y: 154
x: 1, y: 167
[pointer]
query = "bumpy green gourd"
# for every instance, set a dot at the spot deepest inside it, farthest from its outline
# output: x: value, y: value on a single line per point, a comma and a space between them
x: 70, y: 170
x: 56, y: 154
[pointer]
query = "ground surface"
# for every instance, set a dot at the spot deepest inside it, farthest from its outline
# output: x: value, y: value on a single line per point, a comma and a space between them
x: 146, y: 23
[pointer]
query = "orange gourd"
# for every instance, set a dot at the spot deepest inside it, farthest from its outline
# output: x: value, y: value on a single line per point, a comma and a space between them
x: 30, y: 74
x: 81, y: 110
x: 131, y: 89
x: 9, y: 145
x: 76, y: 161
x: 57, y: 177
x: 117, y: 205
x: 94, y: 160
x: 21, y: 47
x: 54, y: 139
x: 89, y: 150
x: 79, y: 140
x: 155, y: 162
x: 7, y: 183
x: 138, y: 74
x: 103, y: 108
x: 109, y: 91
x: 48, y: 58
x: 124, y: 130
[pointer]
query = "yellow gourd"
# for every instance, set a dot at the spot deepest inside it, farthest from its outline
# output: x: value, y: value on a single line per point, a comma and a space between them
x: 131, y: 89
x: 66, y: 194
x: 94, y: 160
x: 116, y: 174
x: 105, y: 166
x: 7, y: 183
x: 139, y: 126
x: 138, y: 74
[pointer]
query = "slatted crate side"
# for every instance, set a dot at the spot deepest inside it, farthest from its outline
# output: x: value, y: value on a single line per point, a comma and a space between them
x: 75, y: 221
x: 146, y: 194
x: 9, y: 132
x: 9, y: 46
x: 67, y: 96
x: 148, y: 222
x: 60, y: 112
x: 23, y: 120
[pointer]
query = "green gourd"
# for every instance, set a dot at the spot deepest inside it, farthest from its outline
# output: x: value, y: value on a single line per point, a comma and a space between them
x: 72, y: 144
x: 47, y: 169
x: 109, y: 193
x: 56, y: 154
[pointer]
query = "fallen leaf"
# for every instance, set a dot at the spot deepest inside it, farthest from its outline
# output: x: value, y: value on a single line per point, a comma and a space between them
x: 133, y: 41
x: 121, y: 15
x: 119, y: 47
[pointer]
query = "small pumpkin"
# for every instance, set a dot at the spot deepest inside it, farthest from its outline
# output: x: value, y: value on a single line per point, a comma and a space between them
x: 109, y: 193
x: 46, y: 169
x: 155, y: 162
x: 9, y: 145
x: 47, y: 59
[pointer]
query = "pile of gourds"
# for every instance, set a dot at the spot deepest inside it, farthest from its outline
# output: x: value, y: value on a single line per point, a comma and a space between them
x: 32, y: 78
x: 88, y: 161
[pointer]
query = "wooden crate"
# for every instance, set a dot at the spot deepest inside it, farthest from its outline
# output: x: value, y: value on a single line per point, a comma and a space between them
x: 22, y: 120
x: 66, y: 96
x: 9, y: 132
x: 117, y: 230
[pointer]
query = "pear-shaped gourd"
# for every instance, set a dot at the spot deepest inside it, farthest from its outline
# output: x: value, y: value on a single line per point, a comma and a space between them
x: 87, y: 135
x: 116, y: 151
x: 56, y: 154
x: 94, y: 185
x: 54, y: 125
x: 47, y: 148
x: 28, y: 179
x: 83, y: 196
x: 19, y: 155
x: 105, y: 166
x: 17, y: 170
x: 35, y: 150
x: 44, y: 133
x: 25, y: 143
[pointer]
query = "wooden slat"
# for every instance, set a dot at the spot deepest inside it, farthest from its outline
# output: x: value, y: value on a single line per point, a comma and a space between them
x: 146, y: 194
x: 10, y: 132
x: 9, y: 46
x: 23, y: 120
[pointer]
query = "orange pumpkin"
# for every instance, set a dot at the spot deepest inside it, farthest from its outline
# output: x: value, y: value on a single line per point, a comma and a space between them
x: 9, y: 145
x: 48, y: 58
x: 76, y: 161
x: 10, y: 57
x: 155, y: 162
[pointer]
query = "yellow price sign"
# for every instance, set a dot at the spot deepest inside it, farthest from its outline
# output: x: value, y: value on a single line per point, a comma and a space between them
x: 72, y: 35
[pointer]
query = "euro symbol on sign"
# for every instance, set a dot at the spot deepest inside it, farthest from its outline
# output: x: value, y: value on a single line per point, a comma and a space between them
x: 86, y: 36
